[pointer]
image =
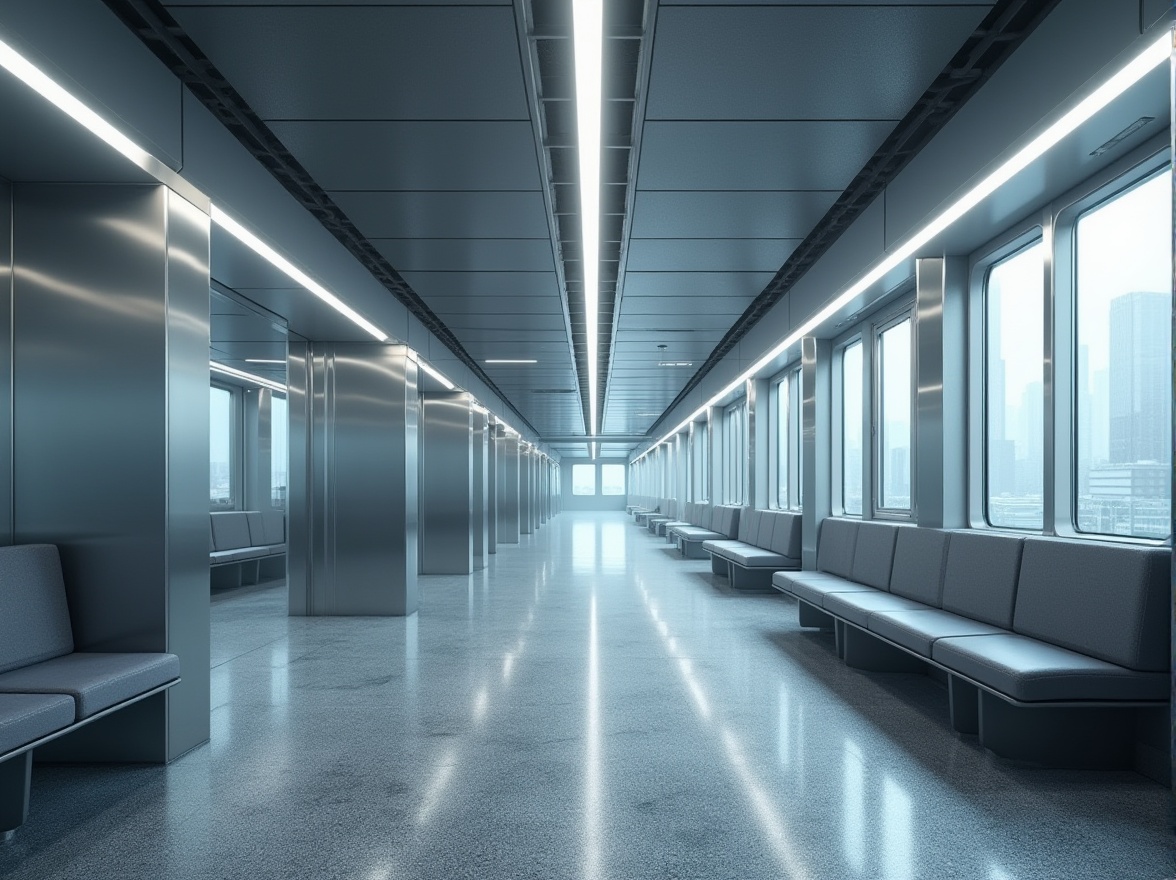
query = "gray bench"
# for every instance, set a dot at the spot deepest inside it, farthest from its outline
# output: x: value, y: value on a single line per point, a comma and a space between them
x: 641, y: 514
x: 1053, y: 650
x: 48, y: 690
x: 689, y: 514
x: 669, y: 513
x: 768, y: 541
x: 245, y: 539
x: 718, y: 523
x: 640, y: 502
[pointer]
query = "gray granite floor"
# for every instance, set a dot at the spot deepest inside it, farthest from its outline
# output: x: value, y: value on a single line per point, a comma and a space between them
x: 589, y: 706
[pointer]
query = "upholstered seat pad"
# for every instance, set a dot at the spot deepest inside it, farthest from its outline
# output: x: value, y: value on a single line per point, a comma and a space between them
x: 814, y: 589
x: 1031, y: 671
x: 919, y: 629
x: 28, y: 717
x: 95, y: 681
x: 857, y: 607
x: 245, y: 553
x: 694, y: 533
x: 749, y: 556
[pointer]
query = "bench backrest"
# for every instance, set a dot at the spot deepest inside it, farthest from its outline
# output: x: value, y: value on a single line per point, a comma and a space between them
x: 749, y: 524
x: 705, y: 516
x: 835, y: 546
x: 920, y: 556
x: 785, y: 536
x: 230, y: 530
x: 980, y: 580
x: 873, y: 554
x: 266, y: 527
x: 34, y: 613
x: 726, y: 520
x: 1106, y: 601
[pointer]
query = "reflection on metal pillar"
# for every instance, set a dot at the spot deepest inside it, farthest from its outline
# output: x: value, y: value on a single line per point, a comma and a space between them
x: 509, y: 480
x: 361, y: 548
x: 526, y: 492
x: 493, y: 438
x: 447, y: 542
x: 478, y: 476
x: 816, y: 356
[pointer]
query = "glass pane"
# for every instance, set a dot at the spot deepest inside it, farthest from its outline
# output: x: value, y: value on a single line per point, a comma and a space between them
x: 851, y: 429
x: 796, y: 460
x: 894, y: 442
x: 783, y: 414
x: 1013, y: 378
x: 1123, y: 382
x: 220, y: 448
x: 583, y: 479
x: 612, y: 479
x: 279, y: 454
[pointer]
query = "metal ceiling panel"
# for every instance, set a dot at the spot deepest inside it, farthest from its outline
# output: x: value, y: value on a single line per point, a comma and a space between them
x: 517, y: 340
x: 244, y: 328
x: 728, y: 305
x: 728, y: 214
x: 693, y: 285
x: 684, y: 255
x: 511, y: 323
x: 732, y: 62
x: 446, y: 214
x: 810, y: 2
x: 386, y: 62
x: 171, y: 4
x: 759, y: 155
x: 435, y: 285
x: 467, y: 255
x: 448, y: 307
x: 429, y: 155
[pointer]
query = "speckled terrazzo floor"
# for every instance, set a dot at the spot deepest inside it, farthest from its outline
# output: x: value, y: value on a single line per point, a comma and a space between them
x: 589, y: 706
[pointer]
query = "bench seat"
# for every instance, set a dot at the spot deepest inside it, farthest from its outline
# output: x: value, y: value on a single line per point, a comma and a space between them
x: 95, y: 681
x: 814, y: 586
x: 1032, y: 671
x: 857, y: 606
x: 749, y: 556
x: 25, y: 718
x: 917, y: 630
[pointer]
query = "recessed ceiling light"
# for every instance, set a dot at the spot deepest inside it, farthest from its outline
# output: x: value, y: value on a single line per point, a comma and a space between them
x: 511, y: 361
x: 675, y: 363
x: 263, y: 361
x: 247, y: 377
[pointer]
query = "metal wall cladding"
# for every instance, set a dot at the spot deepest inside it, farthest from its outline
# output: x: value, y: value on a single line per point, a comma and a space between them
x: 526, y: 492
x: 509, y: 480
x: 110, y: 434
x: 364, y: 417
x: 300, y: 478
x: 493, y: 438
x: 447, y: 542
x: 479, y: 475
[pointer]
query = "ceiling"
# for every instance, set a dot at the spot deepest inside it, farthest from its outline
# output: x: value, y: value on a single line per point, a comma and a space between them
x: 430, y: 126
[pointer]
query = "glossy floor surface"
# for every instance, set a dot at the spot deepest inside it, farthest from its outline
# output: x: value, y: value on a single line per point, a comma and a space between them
x: 590, y: 706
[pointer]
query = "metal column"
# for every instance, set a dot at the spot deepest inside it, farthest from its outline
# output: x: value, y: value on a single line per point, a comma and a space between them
x: 479, y: 476
x: 508, y: 478
x: 447, y: 542
x: 526, y: 492
x: 493, y: 438
x: 816, y: 355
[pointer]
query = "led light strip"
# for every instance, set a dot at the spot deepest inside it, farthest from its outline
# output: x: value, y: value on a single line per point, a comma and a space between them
x: 1145, y: 62
x: 248, y: 377
x: 588, y: 42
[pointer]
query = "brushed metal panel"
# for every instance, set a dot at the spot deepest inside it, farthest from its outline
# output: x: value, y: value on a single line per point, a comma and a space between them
x: 446, y: 489
x: 299, y: 478
x: 446, y: 214
x: 5, y: 362
x: 479, y: 476
x: 493, y: 438
x: 526, y: 493
x: 366, y: 413
x: 509, y: 479
x: 815, y: 427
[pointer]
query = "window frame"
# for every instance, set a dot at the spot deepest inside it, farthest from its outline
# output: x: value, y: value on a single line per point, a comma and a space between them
x: 236, y: 447
x: 595, y: 480
x: 735, y: 459
x: 790, y: 379
x: 624, y: 479
x: 857, y: 335
x: 887, y: 319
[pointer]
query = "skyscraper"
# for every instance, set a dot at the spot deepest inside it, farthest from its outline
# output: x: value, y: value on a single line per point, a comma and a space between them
x: 1139, y: 364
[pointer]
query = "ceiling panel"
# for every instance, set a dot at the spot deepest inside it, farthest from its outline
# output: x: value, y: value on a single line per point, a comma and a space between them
x: 683, y: 255
x: 446, y: 214
x: 425, y: 155
x: 762, y: 155
x: 729, y: 306
x: 730, y: 62
x: 386, y: 62
x: 728, y: 214
x: 688, y: 286
x: 513, y: 323
x: 468, y: 254
x: 476, y: 285
x: 458, y: 306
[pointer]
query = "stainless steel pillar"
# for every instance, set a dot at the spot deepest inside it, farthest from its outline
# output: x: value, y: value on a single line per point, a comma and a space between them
x: 478, y: 476
x: 526, y: 492
x: 300, y: 478
x: 816, y: 357
x: 493, y: 437
x: 509, y: 479
x: 541, y: 465
x: 110, y: 436
x: 447, y: 542
x: 361, y: 550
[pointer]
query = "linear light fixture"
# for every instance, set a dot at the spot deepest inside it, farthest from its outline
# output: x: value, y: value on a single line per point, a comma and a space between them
x: 259, y: 247
x: 511, y: 361
x: 45, y: 86
x: 1151, y: 57
x: 263, y: 361
x: 247, y: 377
x: 432, y: 371
x: 676, y: 363
x: 588, y: 45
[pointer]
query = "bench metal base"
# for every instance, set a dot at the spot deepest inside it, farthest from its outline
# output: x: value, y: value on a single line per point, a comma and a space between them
x: 720, y: 566
x: 16, y: 776
x: 751, y: 580
x: 691, y: 549
x: 1070, y: 738
x: 810, y: 615
x: 861, y: 650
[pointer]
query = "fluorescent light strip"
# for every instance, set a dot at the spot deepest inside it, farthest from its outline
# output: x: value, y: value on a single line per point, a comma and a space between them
x: 248, y: 377
x: 588, y: 42
x: 262, y: 249
x: 511, y: 361
x: 41, y: 83
x: 449, y: 386
x: 263, y: 361
x: 1152, y: 56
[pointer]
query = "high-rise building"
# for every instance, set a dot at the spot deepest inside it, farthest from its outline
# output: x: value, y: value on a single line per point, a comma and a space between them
x: 1140, y: 355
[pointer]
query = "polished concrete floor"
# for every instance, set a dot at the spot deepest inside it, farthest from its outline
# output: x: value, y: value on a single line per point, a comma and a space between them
x: 589, y: 706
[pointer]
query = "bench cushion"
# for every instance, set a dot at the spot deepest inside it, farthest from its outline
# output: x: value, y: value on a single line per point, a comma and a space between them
x: 785, y: 538
x: 1104, y: 600
x: 919, y: 559
x: 835, y: 546
x: 813, y: 587
x: 753, y: 557
x: 980, y: 580
x: 28, y: 717
x: 220, y: 557
x: 919, y: 629
x: 230, y: 530
x: 856, y: 607
x: 34, y: 614
x: 873, y: 554
x: 95, y: 681
x: 1032, y: 671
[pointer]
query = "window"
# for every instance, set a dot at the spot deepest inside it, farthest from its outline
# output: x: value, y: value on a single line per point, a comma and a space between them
x: 702, y: 450
x: 279, y: 451
x: 220, y: 448
x: 1014, y: 409
x: 895, y: 404
x: 735, y: 452
x: 1122, y: 381
x: 788, y: 442
x: 583, y: 479
x: 851, y: 429
x: 612, y: 479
